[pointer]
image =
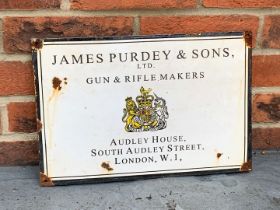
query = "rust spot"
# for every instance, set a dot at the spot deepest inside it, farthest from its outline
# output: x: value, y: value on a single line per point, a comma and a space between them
x: 219, y: 155
x: 45, y: 181
x: 56, y: 83
x: 248, y: 38
x: 272, y: 109
x: 65, y: 81
x: 107, y: 166
x: 247, y: 166
x: 36, y: 44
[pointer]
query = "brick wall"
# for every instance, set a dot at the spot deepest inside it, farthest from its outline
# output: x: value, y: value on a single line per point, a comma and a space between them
x: 22, y: 19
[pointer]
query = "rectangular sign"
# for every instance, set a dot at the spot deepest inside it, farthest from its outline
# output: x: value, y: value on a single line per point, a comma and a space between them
x: 143, y: 106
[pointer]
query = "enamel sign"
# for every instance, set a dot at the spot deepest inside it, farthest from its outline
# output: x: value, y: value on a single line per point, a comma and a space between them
x: 135, y: 107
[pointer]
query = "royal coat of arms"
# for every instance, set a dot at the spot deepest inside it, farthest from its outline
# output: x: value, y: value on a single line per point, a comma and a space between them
x: 148, y: 113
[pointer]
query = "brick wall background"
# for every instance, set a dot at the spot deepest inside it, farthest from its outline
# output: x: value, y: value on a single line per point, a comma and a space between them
x: 22, y: 19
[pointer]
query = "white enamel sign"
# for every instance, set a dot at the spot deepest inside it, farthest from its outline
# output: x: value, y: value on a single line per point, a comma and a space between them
x: 116, y: 109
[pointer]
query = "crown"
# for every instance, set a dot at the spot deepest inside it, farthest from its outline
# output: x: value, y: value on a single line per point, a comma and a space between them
x: 145, y: 99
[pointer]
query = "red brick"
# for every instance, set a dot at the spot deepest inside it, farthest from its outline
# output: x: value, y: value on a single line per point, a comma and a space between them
x: 271, y: 32
x: 22, y: 117
x: 266, y: 108
x: 28, y: 4
x: 265, y: 71
x: 19, y: 153
x: 1, y: 128
x: 199, y: 24
x: 266, y: 138
x: 19, y: 30
x: 130, y: 4
x: 16, y: 78
x: 241, y: 3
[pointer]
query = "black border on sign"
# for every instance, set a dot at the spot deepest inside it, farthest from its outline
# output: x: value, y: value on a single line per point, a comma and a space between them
x: 39, y: 93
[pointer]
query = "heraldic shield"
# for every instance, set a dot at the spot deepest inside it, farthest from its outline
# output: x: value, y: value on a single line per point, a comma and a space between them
x: 148, y: 113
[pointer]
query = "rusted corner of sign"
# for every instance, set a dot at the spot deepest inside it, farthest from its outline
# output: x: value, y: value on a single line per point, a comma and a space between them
x: 37, y: 44
x: 45, y: 181
x: 247, y: 166
x: 248, y: 38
